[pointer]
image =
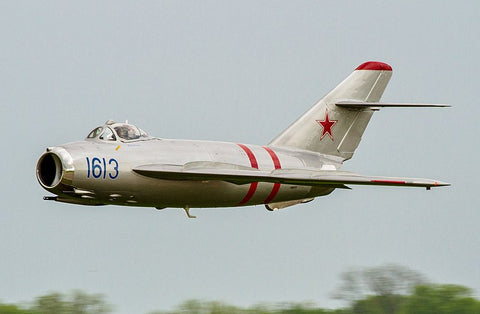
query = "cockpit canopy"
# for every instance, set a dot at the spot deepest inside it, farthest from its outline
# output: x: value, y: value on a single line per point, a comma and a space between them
x: 113, y: 131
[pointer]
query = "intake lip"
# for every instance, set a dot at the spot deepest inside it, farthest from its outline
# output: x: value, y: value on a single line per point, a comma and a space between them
x: 55, y: 167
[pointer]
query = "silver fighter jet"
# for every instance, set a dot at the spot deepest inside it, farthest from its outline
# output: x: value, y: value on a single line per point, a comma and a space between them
x: 119, y: 164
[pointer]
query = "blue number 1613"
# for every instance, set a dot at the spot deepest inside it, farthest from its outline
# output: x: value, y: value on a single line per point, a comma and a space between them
x: 100, y: 168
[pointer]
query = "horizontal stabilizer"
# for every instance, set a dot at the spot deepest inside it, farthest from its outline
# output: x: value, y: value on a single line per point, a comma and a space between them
x: 373, y: 105
x: 204, y: 171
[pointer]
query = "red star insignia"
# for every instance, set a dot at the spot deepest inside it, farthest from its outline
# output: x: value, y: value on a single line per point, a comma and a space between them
x: 327, y: 125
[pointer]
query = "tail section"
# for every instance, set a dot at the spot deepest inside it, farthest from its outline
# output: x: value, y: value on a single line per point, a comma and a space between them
x: 337, y: 130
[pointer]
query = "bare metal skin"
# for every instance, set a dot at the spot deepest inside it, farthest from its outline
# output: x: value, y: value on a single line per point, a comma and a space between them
x: 119, y: 164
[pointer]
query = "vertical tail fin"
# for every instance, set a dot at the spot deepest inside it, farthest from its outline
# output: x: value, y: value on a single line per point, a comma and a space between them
x: 333, y: 130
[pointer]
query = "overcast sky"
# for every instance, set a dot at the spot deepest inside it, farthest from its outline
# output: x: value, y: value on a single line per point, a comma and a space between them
x: 237, y: 71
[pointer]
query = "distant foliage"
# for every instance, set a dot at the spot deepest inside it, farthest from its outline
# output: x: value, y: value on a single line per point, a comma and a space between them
x: 389, y: 289
x: 76, y: 303
x: 56, y: 303
x: 386, y: 280
x: 424, y: 299
x: 214, y: 307
x: 441, y: 299
x: 14, y: 309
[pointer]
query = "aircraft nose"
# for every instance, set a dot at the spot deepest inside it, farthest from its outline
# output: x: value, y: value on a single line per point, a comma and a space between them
x: 55, y: 167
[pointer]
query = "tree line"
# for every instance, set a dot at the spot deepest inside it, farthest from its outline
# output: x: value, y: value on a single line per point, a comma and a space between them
x: 388, y: 289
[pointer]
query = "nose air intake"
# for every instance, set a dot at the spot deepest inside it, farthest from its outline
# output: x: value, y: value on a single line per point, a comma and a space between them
x: 55, y: 168
x: 49, y: 170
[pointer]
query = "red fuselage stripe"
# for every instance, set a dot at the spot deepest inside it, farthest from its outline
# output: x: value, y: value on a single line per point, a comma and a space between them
x: 251, y: 156
x: 276, y: 161
x: 276, y: 164
x: 251, y: 191
x: 254, y: 164
x: 276, y: 187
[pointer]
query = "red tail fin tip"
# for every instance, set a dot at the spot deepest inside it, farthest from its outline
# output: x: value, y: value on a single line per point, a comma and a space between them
x: 374, y: 66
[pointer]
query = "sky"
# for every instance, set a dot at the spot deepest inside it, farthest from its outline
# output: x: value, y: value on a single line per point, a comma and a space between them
x: 237, y: 71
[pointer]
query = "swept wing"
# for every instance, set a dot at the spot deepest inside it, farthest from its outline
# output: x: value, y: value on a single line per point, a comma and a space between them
x: 205, y: 171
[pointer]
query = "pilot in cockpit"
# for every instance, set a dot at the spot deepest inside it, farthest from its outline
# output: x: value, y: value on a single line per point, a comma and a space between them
x: 124, y: 131
x: 127, y: 132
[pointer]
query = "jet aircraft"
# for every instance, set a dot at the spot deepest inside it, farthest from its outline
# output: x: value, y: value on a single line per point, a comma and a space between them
x: 119, y: 164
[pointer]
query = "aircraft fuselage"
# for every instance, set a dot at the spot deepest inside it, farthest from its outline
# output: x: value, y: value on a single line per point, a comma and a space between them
x: 101, y: 173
